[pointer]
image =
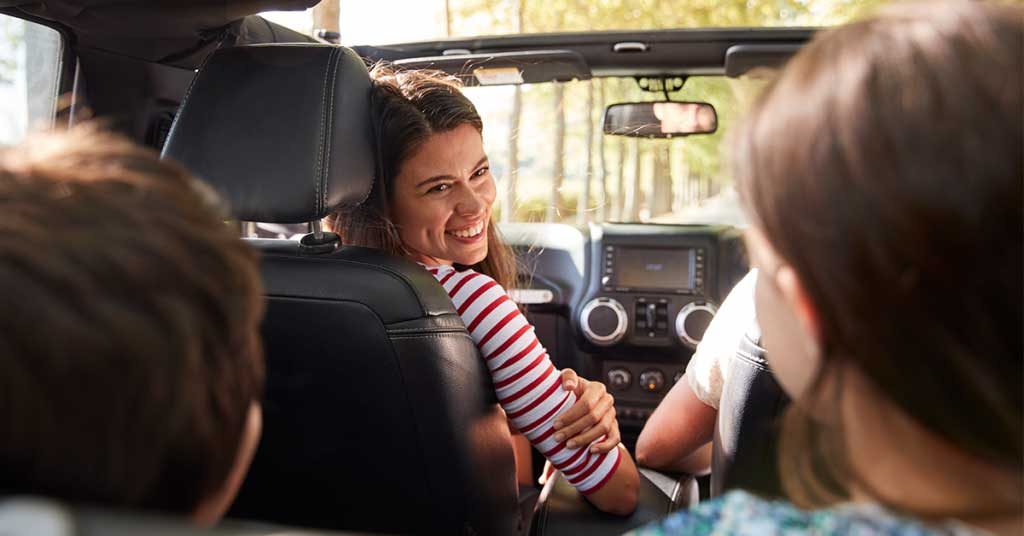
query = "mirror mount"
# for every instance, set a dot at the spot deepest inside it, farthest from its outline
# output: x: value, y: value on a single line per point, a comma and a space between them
x: 661, y: 84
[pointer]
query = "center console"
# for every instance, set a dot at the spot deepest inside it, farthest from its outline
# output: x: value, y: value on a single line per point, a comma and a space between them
x: 652, y: 293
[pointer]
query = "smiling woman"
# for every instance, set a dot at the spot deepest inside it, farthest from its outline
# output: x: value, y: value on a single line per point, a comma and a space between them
x: 444, y: 218
x: 432, y: 204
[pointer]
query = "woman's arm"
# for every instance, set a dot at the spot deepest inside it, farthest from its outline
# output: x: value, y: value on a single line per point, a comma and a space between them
x: 529, y: 388
x: 680, y: 426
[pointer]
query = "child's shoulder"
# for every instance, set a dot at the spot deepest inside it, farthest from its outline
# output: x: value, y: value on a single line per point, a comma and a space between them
x: 740, y: 514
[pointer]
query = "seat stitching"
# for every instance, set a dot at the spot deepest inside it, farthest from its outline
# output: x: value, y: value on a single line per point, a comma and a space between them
x: 336, y: 56
x: 188, y: 95
x: 320, y: 147
x: 431, y: 336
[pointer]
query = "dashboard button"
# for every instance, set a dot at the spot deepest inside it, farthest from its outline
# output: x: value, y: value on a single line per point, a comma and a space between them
x: 652, y: 380
x: 619, y: 379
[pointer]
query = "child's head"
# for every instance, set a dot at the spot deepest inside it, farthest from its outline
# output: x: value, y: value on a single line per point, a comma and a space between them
x: 883, y: 174
x: 130, y: 361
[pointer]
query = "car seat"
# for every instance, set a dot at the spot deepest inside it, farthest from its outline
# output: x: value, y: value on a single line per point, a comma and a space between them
x: 378, y: 412
x: 745, y: 446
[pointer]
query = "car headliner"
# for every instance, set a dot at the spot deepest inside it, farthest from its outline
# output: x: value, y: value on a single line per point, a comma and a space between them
x: 183, y: 32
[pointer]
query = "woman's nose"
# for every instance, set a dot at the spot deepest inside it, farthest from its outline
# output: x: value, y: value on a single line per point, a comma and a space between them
x: 469, y: 203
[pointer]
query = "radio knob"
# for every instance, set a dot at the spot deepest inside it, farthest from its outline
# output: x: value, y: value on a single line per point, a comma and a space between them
x: 619, y: 379
x: 692, y: 321
x: 603, y: 321
x: 652, y: 380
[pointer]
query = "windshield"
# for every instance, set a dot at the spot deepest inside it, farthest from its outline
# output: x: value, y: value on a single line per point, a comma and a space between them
x: 395, y: 21
x: 548, y: 154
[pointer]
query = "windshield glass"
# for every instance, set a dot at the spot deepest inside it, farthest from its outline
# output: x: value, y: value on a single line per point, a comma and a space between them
x: 548, y: 153
x: 398, y: 21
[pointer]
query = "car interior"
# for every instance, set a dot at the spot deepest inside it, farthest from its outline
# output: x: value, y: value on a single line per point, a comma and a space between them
x: 398, y: 430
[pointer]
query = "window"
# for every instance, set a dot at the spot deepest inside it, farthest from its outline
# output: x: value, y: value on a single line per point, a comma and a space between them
x: 562, y: 155
x: 30, y: 66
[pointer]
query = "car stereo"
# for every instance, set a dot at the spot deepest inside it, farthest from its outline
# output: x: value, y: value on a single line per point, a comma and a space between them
x: 678, y: 270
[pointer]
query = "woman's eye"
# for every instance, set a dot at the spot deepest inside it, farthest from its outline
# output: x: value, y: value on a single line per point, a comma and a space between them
x: 481, y: 172
x: 439, y: 188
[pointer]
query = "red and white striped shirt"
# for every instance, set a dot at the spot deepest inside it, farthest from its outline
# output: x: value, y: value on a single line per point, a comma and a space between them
x: 528, y: 385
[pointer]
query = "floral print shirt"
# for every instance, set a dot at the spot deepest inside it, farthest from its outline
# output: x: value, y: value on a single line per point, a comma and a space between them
x: 739, y: 513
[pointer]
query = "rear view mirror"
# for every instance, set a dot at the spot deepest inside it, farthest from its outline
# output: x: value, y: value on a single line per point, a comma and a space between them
x: 664, y: 119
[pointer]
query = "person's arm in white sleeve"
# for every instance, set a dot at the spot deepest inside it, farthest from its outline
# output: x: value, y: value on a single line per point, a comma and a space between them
x: 684, y: 421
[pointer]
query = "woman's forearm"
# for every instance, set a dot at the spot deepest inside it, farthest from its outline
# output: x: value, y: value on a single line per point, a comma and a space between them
x: 680, y: 425
x: 620, y: 494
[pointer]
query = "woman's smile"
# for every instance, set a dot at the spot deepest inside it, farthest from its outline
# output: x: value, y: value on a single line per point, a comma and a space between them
x: 469, y: 235
x: 443, y: 197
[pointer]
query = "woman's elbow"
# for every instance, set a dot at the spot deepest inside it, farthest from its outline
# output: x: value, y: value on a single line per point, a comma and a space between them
x: 621, y: 495
x: 649, y: 453
x: 628, y: 500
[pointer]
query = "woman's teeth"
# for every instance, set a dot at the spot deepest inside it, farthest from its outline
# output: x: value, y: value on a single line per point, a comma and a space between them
x: 469, y: 233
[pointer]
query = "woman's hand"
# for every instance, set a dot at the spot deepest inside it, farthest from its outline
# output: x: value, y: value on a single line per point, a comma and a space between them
x: 592, y: 416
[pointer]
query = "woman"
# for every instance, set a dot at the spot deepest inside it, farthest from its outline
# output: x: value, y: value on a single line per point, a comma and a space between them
x: 883, y: 174
x: 432, y: 204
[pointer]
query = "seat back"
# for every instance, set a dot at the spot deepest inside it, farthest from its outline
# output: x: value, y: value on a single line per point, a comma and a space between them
x: 379, y: 413
x: 37, y: 516
x: 745, y: 446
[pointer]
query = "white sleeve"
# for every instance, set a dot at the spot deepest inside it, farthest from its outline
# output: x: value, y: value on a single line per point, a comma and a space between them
x: 709, y: 367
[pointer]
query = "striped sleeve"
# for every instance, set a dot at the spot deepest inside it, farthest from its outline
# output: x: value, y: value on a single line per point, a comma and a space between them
x: 528, y: 385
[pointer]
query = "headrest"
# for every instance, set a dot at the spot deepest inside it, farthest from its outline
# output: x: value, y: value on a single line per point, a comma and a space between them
x: 282, y: 132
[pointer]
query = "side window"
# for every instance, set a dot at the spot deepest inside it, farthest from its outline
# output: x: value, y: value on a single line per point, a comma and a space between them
x: 30, y: 66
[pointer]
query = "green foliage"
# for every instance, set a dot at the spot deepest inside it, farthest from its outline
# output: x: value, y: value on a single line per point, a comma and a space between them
x: 12, y: 37
x: 696, y: 159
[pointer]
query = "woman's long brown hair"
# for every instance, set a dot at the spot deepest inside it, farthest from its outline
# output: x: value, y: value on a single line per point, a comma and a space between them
x: 410, y: 106
x: 885, y: 166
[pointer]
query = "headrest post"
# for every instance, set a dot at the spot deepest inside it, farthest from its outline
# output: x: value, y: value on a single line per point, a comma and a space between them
x: 318, y: 229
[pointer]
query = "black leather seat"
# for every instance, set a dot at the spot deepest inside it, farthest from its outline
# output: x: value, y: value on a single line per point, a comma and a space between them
x: 379, y: 414
x: 36, y: 516
x: 745, y: 447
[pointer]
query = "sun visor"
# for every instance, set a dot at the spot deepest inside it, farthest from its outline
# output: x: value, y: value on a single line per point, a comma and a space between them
x: 741, y: 59
x: 505, y: 68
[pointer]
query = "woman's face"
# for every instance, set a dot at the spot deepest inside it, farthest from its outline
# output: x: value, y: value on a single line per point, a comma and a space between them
x: 789, y: 330
x: 442, y: 198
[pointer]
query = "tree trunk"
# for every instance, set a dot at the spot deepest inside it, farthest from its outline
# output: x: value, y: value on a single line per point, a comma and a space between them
x: 620, y: 183
x: 447, y: 18
x: 508, y: 206
x: 511, y: 200
x: 583, y: 206
x: 602, y: 204
x: 326, y: 16
x: 661, y: 194
x: 557, y: 205
x: 633, y: 200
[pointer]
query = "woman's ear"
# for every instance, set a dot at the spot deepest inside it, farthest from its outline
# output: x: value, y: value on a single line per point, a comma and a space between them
x: 212, y: 508
x: 793, y: 292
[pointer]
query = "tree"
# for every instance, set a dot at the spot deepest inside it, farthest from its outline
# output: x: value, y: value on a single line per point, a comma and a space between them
x: 557, y: 204
x: 661, y: 196
x: 511, y: 198
x: 602, y: 204
x: 583, y: 205
x: 620, y: 182
x: 326, y: 16
x: 684, y: 171
x: 633, y: 200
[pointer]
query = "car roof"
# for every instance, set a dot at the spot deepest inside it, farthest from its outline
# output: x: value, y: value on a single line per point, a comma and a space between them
x: 679, y: 52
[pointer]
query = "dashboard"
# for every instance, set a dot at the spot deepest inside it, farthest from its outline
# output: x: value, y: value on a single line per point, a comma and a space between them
x: 625, y: 303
